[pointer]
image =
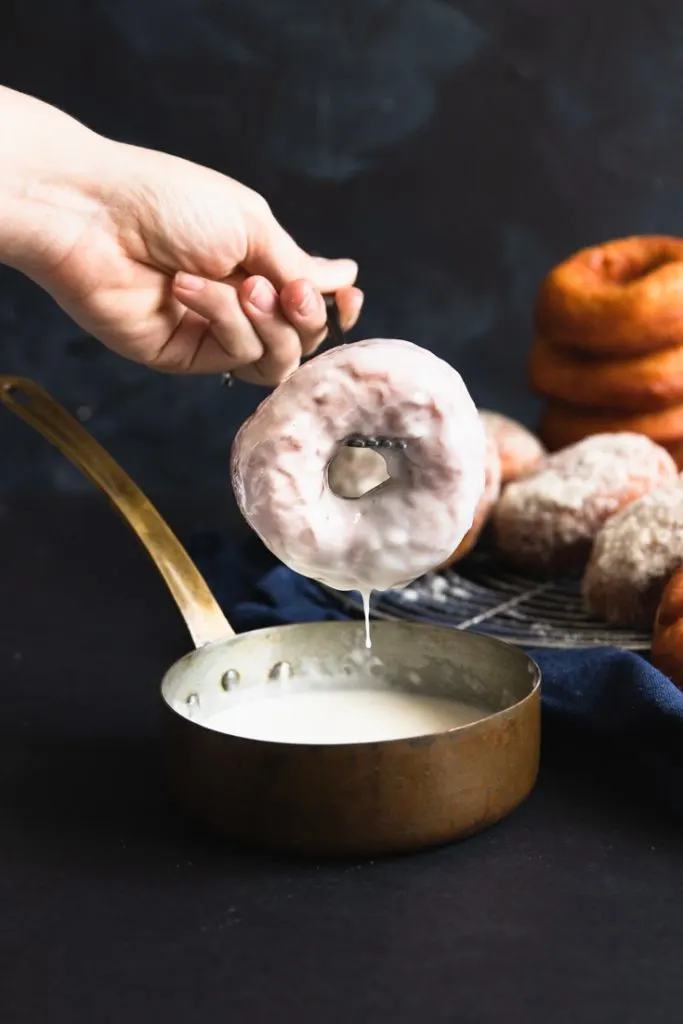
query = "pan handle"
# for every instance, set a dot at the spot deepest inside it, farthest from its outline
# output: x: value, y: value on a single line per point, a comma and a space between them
x: 199, y: 608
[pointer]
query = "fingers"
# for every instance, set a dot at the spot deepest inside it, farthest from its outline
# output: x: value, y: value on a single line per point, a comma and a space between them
x: 330, y: 275
x: 234, y: 326
x: 349, y: 303
x: 232, y: 341
x: 281, y: 343
x: 305, y: 309
x: 245, y: 327
x: 273, y: 253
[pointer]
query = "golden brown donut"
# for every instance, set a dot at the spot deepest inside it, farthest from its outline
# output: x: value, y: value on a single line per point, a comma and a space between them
x: 634, y: 555
x: 488, y: 499
x: 562, y: 424
x: 621, y: 298
x: 547, y: 521
x: 519, y: 450
x: 638, y: 384
x: 667, y: 641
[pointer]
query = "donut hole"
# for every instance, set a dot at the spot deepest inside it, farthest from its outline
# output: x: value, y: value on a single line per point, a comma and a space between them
x: 353, y: 472
x: 627, y: 269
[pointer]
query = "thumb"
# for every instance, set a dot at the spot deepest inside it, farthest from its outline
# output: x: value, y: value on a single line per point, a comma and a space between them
x: 273, y: 253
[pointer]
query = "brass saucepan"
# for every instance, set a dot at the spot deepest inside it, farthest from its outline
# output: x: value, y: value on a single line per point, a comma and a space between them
x: 347, y: 799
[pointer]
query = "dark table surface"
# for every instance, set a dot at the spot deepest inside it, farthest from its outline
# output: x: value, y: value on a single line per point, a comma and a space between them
x: 114, y: 909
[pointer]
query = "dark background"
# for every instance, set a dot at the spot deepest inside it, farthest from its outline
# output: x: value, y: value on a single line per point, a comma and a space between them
x: 456, y: 150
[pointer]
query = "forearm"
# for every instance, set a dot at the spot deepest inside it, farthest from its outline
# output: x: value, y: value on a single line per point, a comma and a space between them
x: 51, y: 174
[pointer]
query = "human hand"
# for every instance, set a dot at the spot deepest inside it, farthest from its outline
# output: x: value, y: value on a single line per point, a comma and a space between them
x: 171, y: 264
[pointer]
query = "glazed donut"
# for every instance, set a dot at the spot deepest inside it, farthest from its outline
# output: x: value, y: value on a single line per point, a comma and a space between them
x: 548, y: 520
x: 634, y: 555
x: 667, y: 642
x: 518, y: 450
x: 621, y: 298
x: 639, y: 384
x: 492, y: 484
x: 409, y: 524
x: 563, y: 424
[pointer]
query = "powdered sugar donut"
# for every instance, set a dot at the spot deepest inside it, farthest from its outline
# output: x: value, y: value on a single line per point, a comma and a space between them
x: 634, y: 555
x: 403, y: 528
x: 519, y: 450
x: 548, y: 520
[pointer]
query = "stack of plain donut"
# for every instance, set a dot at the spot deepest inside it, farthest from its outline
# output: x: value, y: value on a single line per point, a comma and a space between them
x: 608, y: 347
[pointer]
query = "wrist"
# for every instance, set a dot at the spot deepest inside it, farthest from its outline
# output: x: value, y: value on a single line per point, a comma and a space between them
x: 53, y: 172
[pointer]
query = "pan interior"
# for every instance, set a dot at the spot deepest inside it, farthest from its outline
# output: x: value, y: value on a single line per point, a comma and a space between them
x: 321, y: 657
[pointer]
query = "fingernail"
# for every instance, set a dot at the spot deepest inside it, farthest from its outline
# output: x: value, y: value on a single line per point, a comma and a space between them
x: 262, y: 297
x: 306, y: 302
x: 189, y: 282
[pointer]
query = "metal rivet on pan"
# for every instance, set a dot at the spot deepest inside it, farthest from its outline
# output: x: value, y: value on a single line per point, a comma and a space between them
x: 192, y: 700
x: 230, y: 678
x: 280, y: 670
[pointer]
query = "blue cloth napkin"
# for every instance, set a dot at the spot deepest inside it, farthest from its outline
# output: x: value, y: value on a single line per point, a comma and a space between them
x: 613, y: 696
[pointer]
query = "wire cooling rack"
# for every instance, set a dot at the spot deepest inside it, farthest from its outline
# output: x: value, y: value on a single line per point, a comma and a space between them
x: 486, y: 597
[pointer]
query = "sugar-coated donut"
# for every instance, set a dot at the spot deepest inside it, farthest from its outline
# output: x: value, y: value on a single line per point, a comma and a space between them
x: 400, y: 530
x: 562, y: 424
x: 547, y: 521
x: 638, y: 384
x: 634, y: 555
x: 667, y: 641
x: 519, y: 450
x: 486, y: 504
x: 621, y: 298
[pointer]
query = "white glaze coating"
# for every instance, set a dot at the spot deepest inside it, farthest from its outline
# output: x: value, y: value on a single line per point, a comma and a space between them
x: 344, y: 716
x: 408, y: 525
